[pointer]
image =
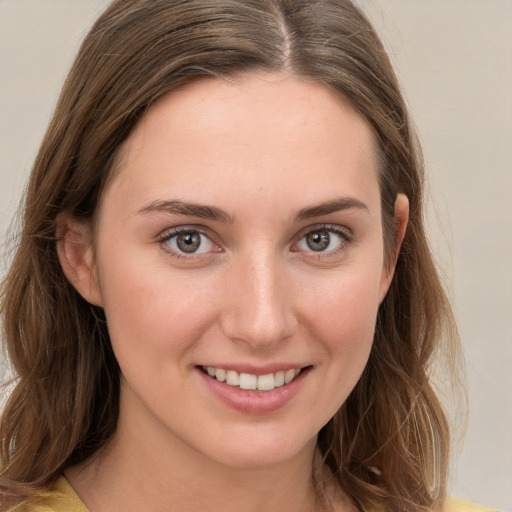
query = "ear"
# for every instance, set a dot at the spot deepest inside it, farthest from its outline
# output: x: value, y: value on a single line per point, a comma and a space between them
x: 76, y: 255
x: 401, y: 219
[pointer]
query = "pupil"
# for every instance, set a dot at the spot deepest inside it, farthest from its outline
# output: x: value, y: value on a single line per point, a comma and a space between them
x: 318, y: 240
x: 189, y: 242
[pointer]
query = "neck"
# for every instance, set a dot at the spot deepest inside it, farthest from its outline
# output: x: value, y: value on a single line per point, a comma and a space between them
x: 141, y: 472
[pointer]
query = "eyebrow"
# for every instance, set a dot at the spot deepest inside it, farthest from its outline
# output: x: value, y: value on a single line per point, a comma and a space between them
x: 336, y: 205
x: 176, y: 207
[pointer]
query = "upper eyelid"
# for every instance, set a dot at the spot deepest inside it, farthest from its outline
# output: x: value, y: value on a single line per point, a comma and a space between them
x: 170, y: 232
x: 335, y: 228
x: 206, y: 231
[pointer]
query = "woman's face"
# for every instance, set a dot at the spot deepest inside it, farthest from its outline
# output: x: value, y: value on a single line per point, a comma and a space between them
x: 241, y: 239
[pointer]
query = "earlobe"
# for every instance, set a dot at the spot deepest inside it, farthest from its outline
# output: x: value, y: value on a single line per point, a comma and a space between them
x: 400, y: 221
x: 76, y: 256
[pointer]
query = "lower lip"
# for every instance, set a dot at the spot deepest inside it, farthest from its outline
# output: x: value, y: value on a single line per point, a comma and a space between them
x: 252, y: 401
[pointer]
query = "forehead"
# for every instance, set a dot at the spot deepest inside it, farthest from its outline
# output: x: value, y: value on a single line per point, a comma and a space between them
x: 251, y: 133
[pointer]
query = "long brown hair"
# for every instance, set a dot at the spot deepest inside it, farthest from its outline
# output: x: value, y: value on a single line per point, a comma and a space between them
x: 388, y: 444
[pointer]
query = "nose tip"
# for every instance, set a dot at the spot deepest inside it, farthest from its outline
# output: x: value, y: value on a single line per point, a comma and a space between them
x: 261, y: 330
x: 260, y: 312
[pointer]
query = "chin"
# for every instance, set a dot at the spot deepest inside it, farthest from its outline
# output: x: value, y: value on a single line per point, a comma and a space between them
x: 261, y: 448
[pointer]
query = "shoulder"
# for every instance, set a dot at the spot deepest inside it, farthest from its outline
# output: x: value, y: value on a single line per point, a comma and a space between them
x: 460, y: 505
x: 61, y: 497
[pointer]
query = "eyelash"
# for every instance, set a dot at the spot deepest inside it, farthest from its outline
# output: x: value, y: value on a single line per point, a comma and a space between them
x: 344, y: 235
x: 165, y: 237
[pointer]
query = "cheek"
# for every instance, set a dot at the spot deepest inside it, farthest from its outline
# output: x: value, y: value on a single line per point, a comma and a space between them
x: 148, y: 307
x: 340, y: 322
x: 342, y: 315
x: 346, y: 303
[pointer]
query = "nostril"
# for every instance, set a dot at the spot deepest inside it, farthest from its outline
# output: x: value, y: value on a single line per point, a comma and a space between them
x: 261, y: 330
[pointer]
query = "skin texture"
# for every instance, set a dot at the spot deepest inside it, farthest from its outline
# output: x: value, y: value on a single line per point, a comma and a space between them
x: 261, y: 148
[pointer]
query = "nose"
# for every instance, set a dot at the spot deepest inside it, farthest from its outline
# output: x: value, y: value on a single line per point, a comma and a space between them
x: 259, y: 308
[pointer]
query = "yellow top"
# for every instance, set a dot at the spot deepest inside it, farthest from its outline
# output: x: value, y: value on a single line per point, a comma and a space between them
x: 62, y: 498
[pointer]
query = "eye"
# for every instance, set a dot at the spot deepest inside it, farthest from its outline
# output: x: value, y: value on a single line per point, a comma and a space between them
x: 323, y: 239
x: 188, y: 241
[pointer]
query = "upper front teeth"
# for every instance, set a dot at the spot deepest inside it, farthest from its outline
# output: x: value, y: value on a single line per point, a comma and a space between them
x: 250, y: 381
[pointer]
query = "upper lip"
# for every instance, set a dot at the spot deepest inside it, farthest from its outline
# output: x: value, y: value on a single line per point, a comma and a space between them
x: 257, y: 369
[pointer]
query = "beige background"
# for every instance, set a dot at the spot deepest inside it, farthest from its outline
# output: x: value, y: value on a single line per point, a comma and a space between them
x: 454, y: 58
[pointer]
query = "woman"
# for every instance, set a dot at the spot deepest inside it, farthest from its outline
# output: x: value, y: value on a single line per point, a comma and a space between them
x: 223, y: 296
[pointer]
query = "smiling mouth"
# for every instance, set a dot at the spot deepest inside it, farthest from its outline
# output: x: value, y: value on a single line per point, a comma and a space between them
x: 250, y: 381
